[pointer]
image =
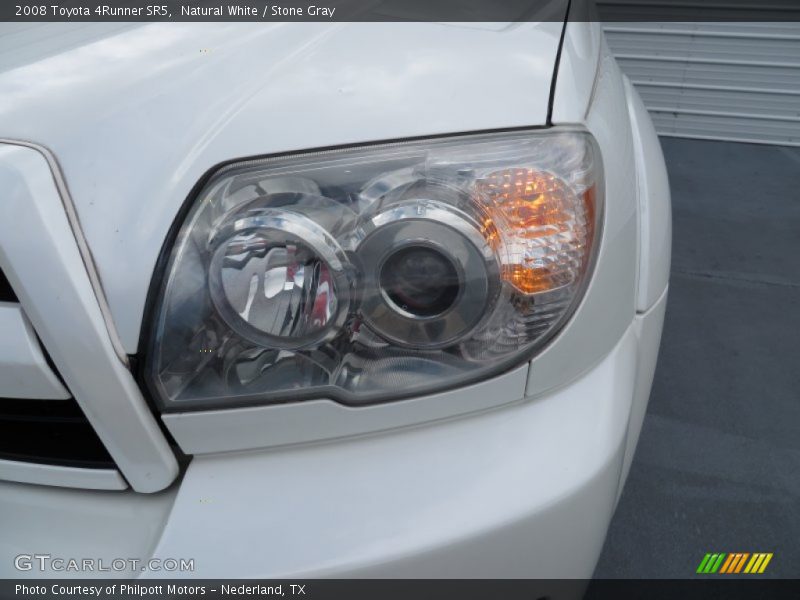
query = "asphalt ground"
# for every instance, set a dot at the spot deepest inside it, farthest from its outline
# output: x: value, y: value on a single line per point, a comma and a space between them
x: 717, y: 468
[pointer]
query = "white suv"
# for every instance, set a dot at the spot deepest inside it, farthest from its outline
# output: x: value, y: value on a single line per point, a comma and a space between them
x: 314, y: 300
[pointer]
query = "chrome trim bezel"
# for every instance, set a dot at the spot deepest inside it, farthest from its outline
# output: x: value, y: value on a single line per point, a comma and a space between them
x: 425, y: 222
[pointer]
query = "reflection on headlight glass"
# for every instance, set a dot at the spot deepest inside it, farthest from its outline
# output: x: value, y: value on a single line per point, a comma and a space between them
x: 370, y: 274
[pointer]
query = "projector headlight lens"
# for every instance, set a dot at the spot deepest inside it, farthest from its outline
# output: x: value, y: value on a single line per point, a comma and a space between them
x: 420, y: 281
x: 370, y: 274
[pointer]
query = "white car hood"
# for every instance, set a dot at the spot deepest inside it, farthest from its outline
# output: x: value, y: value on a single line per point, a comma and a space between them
x: 136, y: 114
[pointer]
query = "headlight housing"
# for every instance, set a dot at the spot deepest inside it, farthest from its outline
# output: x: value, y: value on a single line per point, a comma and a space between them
x: 374, y: 273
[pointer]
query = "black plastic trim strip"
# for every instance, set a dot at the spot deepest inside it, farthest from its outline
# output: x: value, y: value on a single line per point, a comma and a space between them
x: 51, y: 432
x: 6, y: 292
x: 557, y: 64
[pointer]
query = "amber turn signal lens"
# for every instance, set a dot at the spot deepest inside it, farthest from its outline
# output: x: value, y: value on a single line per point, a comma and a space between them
x: 540, y: 229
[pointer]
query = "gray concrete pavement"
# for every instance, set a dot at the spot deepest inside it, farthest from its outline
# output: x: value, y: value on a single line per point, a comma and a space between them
x: 718, y: 463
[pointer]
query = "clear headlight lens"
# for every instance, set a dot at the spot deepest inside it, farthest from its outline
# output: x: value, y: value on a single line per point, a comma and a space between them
x: 374, y: 273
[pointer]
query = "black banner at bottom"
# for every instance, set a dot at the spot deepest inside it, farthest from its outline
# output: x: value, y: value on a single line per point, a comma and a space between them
x: 394, y: 589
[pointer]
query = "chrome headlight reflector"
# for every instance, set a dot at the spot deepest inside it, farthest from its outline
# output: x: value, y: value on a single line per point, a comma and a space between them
x: 374, y: 273
x: 429, y: 275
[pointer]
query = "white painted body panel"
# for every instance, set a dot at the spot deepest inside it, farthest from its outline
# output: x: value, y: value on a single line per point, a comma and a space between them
x: 655, y: 207
x: 526, y: 489
x: 70, y: 477
x: 577, y: 72
x: 24, y: 372
x: 78, y: 523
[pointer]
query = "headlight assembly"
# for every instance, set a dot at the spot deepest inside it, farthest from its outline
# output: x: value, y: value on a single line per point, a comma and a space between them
x: 369, y: 274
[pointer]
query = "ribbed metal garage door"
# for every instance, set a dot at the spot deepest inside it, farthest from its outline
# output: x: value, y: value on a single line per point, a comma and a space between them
x: 731, y: 81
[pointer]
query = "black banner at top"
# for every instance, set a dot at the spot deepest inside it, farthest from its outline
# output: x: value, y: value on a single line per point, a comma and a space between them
x: 397, y: 10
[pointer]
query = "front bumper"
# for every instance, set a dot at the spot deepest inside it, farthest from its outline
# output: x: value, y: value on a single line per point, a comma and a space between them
x: 524, y: 491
